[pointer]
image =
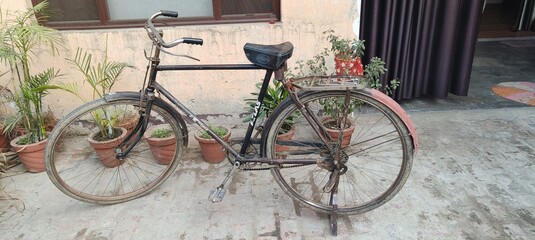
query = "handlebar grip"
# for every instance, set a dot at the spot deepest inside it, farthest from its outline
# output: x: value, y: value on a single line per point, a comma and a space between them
x: 195, y: 41
x: 168, y: 13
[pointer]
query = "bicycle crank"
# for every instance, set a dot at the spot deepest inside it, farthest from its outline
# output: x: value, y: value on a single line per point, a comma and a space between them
x: 218, y: 194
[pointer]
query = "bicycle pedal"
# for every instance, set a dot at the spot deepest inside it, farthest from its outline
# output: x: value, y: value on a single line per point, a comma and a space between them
x: 217, y: 195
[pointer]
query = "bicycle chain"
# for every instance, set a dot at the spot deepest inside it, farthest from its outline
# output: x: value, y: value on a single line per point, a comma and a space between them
x: 255, y: 167
x: 250, y: 166
x: 253, y: 151
x: 267, y: 168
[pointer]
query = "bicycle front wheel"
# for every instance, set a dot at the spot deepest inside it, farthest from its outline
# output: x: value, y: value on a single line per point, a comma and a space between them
x: 81, y: 169
x: 376, y: 152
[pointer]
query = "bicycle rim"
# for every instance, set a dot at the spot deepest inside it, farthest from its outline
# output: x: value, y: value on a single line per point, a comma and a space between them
x: 78, y: 170
x: 379, y: 153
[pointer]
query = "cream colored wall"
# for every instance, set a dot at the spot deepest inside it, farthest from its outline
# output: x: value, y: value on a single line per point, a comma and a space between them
x: 220, y: 92
x: 11, y: 5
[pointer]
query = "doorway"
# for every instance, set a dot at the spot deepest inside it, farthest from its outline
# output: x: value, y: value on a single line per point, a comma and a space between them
x: 507, y: 19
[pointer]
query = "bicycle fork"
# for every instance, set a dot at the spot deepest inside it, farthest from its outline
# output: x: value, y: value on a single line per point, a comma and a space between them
x: 145, y: 106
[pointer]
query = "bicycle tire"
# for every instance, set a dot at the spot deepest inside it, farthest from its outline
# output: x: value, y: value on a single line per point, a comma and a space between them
x: 379, y: 154
x: 78, y: 171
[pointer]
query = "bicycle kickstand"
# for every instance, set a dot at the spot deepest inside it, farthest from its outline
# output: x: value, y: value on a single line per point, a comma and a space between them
x: 218, y: 194
x: 333, y: 217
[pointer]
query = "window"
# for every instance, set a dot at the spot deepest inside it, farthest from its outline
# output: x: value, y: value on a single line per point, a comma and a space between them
x: 91, y: 14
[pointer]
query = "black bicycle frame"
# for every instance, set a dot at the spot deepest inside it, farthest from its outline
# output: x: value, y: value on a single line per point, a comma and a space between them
x: 194, y: 118
x: 152, y: 86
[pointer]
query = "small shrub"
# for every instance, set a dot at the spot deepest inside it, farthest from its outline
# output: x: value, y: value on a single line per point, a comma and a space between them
x: 219, y: 130
x: 161, y: 133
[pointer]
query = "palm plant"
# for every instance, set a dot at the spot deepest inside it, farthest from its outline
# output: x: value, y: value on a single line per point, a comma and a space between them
x: 101, y: 76
x: 21, y: 35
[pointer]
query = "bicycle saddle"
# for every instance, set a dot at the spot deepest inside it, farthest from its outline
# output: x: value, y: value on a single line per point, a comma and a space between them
x: 268, y: 56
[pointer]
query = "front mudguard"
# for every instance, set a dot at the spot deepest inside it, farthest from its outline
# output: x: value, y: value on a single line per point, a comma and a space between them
x: 165, y: 105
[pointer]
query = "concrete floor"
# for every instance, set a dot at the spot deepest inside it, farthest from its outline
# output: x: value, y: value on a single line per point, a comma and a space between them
x: 494, y: 62
x: 472, y: 179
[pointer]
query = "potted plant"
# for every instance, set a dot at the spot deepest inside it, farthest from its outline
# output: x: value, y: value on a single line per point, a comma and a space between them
x: 335, y: 107
x: 112, y: 129
x: 373, y: 72
x: 162, y: 144
x: 275, y: 94
x: 210, y: 148
x: 4, y: 140
x: 347, y: 54
x: 21, y: 37
x: 108, y: 137
x: 4, y: 137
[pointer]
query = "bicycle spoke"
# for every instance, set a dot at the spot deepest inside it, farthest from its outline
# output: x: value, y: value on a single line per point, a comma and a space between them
x: 80, y: 173
x: 370, y: 161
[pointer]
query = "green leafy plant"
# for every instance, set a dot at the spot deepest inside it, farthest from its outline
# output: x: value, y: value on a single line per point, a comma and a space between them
x: 311, y: 67
x: 373, y: 73
x: 218, y: 130
x: 161, y: 133
x: 101, y: 76
x: 106, y: 120
x: 21, y: 35
x: 275, y: 94
x: 345, y: 48
x: 334, y: 107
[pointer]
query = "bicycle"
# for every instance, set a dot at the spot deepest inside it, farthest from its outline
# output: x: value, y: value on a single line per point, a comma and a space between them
x: 318, y: 170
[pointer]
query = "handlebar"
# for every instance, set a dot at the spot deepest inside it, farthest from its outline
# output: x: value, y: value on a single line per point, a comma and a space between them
x: 168, y: 13
x: 155, y: 35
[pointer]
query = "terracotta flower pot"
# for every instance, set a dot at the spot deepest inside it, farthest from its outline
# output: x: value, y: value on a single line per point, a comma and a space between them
x: 106, y: 149
x: 163, y: 149
x: 32, y: 155
x: 351, y: 67
x: 334, y: 133
x: 284, y: 137
x: 4, y: 141
x: 129, y: 123
x: 211, y: 149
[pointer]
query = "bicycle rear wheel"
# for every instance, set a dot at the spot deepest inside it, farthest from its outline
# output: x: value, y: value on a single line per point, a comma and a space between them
x: 377, y: 154
x: 76, y: 168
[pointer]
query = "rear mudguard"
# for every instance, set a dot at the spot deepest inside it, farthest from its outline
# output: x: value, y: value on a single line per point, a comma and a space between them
x: 396, y: 108
x: 168, y: 107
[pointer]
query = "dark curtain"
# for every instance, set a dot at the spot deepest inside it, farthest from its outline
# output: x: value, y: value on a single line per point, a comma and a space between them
x: 525, y: 10
x: 428, y: 44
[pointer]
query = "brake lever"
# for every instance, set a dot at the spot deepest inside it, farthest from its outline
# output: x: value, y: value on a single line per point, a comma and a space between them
x: 178, y: 55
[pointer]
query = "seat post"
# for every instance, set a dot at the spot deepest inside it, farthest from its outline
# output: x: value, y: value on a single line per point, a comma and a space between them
x: 279, y: 73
